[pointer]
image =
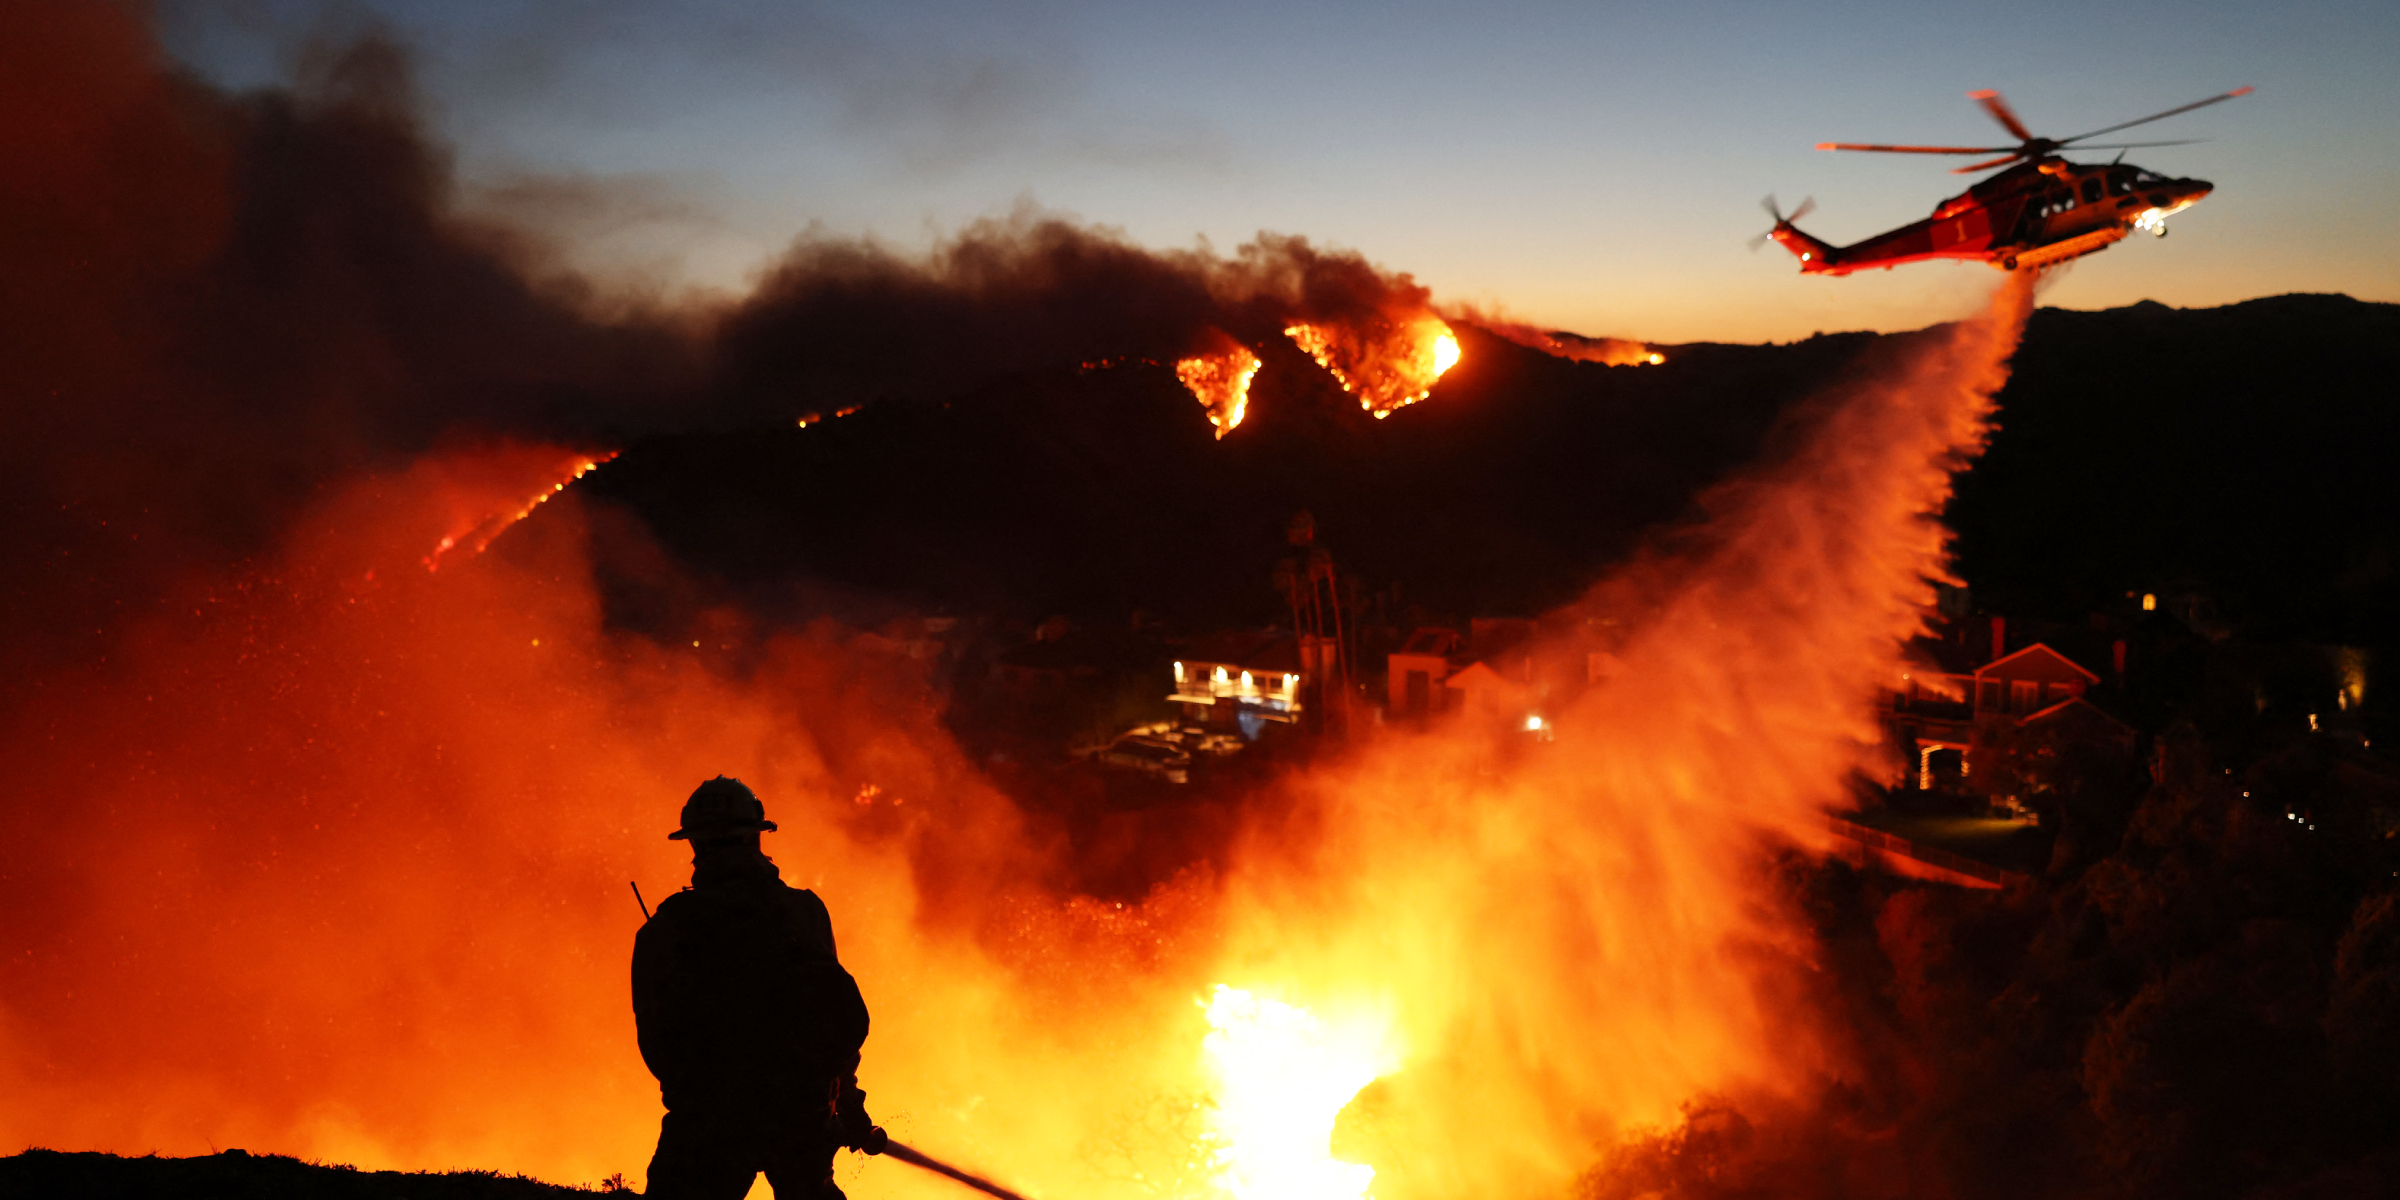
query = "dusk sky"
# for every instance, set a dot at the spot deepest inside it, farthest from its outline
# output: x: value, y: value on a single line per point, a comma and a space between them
x: 1595, y: 167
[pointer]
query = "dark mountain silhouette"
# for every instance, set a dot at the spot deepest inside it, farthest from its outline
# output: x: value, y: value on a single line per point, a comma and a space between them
x: 2236, y: 450
x: 1093, y: 492
x: 2244, y: 451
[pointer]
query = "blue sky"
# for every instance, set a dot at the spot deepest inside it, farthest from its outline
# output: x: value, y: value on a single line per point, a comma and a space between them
x: 1589, y: 166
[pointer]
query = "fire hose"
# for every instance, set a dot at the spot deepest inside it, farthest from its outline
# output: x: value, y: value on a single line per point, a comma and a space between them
x: 846, y: 1114
x: 938, y: 1167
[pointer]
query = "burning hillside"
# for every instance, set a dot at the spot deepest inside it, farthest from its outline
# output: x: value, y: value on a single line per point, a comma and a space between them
x: 333, y: 846
x: 324, y: 851
x: 1388, y: 366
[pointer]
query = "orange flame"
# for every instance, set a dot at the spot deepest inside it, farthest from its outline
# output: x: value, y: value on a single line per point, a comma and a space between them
x: 1221, y: 383
x: 1388, y: 367
x: 818, y: 418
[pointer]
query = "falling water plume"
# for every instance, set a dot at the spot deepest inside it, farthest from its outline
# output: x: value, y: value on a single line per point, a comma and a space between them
x: 1582, y: 935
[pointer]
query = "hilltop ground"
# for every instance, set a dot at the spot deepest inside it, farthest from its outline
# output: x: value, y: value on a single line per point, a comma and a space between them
x: 240, y: 1175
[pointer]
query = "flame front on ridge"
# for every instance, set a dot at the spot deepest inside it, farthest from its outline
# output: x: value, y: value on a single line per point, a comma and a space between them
x: 1389, y: 367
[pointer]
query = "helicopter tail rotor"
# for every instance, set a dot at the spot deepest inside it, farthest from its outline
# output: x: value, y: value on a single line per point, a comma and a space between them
x: 1807, y: 206
x: 1782, y: 221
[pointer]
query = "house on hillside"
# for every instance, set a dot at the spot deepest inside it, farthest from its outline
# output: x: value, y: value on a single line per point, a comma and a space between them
x: 2030, y: 680
x: 1939, y: 701
x: 1489, y: 672
x: 1415, y: 672
x: 1482, y: 691
x: 2078, y: 718
x: 1246, y: 680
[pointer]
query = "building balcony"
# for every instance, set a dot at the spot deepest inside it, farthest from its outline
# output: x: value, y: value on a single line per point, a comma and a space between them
x: 1209, y: 683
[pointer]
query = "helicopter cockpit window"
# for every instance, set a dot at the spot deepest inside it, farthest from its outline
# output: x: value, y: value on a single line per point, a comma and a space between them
x: 2120, y: 182
x: 2091, y: 190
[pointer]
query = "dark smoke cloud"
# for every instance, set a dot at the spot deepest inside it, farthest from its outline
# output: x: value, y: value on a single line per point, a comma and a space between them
x: 843, y: 320
x: 230, y: 286
x: 211, y: 305
x: 214, y: 304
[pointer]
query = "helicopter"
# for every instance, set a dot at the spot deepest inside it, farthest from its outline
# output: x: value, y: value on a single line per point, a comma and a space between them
x: 2039, y: 212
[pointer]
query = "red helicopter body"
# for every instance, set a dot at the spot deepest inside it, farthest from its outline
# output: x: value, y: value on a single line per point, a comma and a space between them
x: 2040, y: 211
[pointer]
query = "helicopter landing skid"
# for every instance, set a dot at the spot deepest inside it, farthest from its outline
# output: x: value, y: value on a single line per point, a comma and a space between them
x: 2066, y: 248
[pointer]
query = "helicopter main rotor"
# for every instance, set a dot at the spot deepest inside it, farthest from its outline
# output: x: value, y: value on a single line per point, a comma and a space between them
x: 2028, y: 146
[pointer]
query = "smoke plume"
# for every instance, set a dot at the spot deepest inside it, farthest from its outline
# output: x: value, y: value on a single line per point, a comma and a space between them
x: 217, y: 304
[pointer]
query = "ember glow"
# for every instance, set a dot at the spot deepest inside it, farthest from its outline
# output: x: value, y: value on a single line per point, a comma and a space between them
x: 1221, y: 383
x: 1388, y: 365
x: 818, y: 418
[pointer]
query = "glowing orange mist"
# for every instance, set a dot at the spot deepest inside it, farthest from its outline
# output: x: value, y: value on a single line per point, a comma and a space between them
x: 1221, y: 383
x: 331, y: 861
x: 1388, y: 366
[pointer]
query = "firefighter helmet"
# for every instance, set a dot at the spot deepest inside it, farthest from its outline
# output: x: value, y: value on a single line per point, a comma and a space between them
x: 720, y: 807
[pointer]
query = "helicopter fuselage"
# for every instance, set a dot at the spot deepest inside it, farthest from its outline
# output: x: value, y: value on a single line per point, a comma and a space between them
x: 2034, y: 214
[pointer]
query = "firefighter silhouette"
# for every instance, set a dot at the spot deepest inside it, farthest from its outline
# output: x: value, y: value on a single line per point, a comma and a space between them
x: 747, y: 1018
